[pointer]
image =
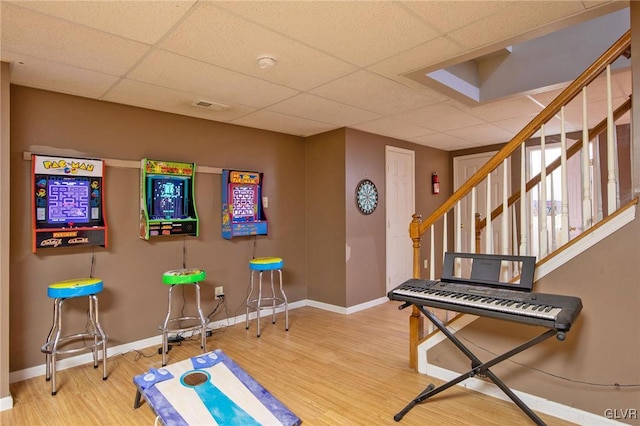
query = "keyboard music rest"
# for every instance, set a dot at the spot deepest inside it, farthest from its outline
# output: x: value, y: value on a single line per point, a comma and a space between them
x: 547, y: 310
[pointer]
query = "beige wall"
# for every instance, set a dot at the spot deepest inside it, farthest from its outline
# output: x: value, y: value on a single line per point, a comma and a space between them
x: 4, y: 231
x: 325, y: 225
x: 134, y: 300
x: 366, y: 235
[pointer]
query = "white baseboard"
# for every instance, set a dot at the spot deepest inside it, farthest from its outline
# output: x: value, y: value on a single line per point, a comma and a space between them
x: 534, y: 402
x: 6, y: 403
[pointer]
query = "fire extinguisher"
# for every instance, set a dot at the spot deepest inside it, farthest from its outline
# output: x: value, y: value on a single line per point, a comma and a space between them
x: 435, y: 183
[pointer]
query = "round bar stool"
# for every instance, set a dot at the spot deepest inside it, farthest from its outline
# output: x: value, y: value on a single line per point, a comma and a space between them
x: 55, y: 345
x: 183, y: 277
x: 273, y: 301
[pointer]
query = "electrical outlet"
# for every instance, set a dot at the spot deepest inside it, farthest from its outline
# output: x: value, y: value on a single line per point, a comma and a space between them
x: 219, y: 291
x: 426, y: 264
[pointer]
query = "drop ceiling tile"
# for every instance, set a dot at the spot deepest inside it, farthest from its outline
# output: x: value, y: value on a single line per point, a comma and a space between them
x: 46, y: 75
x: 424, y: 55
x: 215, y: 36
x: 283, y: 123
x: 129, y: 92
x: 441, y: 141
x: 596, y: 91
x: 518, y: 18
x: 373, y: 93
x: 440, y: 117
x: 447, y: 16
x: 482, y: 134
x: 393, y: 127
x: 217, y: 84
x: 59, y: 41
x: 145, y: 21
x: 361, y: 33
x: 514, y: 125
x: 596, y: 112
x: 315, y: 108
x: 503, y: 109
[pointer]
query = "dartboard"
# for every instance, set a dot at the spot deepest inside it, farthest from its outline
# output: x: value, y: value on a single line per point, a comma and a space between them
x: 366, y: 196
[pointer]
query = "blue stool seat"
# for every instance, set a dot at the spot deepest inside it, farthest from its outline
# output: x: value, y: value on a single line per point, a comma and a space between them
x: 75, y: 288
x: 259, y: 302
x: 91, y: 338
x: 266, y: 264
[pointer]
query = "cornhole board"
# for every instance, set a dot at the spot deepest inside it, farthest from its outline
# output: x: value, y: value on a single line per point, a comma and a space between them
x: 209, y: 389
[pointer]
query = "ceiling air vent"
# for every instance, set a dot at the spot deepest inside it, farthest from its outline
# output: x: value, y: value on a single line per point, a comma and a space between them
x: 215, y: 106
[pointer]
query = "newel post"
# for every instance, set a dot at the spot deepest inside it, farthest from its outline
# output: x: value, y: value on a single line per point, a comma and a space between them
x: 416, y: 322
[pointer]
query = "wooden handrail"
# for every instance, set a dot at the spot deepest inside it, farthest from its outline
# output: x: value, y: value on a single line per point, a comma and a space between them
x: 590, y: 74
x: 571, y: 151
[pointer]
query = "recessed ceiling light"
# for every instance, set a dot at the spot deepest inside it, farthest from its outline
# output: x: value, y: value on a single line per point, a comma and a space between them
x: 266, y: 61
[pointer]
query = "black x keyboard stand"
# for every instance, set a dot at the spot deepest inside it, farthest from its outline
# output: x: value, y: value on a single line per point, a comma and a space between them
x: 478, y: 367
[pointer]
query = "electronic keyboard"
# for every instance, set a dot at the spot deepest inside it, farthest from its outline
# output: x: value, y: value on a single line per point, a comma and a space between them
x: 547, y: 310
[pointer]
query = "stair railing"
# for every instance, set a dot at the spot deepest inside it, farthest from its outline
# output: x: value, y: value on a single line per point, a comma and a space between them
x: 452, y: 206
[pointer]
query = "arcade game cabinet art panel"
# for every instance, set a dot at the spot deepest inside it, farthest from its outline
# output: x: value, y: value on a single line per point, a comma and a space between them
x: 68, y: 202
x: 167, y: 203
x: 242, y: 211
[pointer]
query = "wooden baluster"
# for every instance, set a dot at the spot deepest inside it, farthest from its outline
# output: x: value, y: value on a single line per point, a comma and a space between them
x: 564, y: 218
x: 524, y: 213
x: 613, y: 197
x: 505, y: 207
x: 477, y: 233
x: 488, y: 240
x: 473, y: 245
x: 587, y: 208
x: 432, y: 252
x: 543, y: 247
x: 458, y: 243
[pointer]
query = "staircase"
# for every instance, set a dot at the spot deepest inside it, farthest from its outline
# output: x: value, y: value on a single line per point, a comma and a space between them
x: 590, y: 174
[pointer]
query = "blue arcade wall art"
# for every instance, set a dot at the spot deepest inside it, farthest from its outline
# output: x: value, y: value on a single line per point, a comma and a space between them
x: 242, y: 211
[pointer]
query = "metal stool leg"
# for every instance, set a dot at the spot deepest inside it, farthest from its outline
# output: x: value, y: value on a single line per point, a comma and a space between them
x: 259, y: 302
x: 203, y: 321
x: 249, y: 299
x: 52, y: 331
x: 98, y: 332
x: 54, y: 348
x: 286, y: 304
x: 165, y: 331
x: 273, y: 301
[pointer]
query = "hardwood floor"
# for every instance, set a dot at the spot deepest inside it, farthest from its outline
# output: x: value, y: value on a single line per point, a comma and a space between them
x: 329, y: 369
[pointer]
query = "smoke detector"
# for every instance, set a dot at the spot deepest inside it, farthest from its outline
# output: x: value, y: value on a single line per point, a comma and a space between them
x: 266, y: 61
x: 211, y: 105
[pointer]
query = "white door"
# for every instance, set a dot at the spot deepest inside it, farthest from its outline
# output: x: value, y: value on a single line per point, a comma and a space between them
x: 400, y: 206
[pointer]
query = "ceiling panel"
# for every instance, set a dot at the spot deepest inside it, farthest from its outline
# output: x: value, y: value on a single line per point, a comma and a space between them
x: 145, y: 21
x: 215, y: 36
x: 214, y: 83
x: 59, y: 41
x: 338, y: 63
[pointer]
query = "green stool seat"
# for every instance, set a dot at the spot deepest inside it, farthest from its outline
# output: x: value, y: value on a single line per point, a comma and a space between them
x: 183, y: 277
